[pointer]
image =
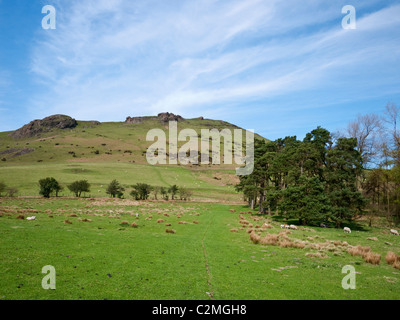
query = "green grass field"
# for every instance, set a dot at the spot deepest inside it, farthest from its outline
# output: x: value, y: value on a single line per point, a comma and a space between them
x: 102, y: 259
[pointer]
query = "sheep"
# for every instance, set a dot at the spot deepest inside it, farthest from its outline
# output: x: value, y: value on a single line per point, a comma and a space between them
x: 347, y: 230
x: 284, y: 226
x: 293, y: 227
x: 31, y: 218
x: 394, y: 232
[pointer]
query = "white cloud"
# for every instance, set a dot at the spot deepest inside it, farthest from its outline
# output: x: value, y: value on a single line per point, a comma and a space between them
x: 111, y: 59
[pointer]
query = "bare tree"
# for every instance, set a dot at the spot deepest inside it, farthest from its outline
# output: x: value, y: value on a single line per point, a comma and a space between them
x: 391, y: 145
x: 366, y: 129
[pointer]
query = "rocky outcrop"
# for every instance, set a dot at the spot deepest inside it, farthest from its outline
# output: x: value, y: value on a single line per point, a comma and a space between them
x: 134, y: 120
x: 166, y: 117
x: 37, y: 127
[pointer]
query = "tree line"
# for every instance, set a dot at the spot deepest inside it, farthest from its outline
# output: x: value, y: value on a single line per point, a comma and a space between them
x: 330, y: 178
x: 141, y: 191
x: 313, y: 180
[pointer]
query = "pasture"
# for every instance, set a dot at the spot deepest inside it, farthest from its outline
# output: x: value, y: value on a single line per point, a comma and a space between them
x: 98, y: 254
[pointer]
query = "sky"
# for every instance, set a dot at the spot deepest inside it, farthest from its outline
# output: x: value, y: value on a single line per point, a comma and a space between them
x: 279, y: 67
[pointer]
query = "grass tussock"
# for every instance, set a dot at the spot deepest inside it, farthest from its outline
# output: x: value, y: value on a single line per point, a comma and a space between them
x: 67, y: 222
x: 233, y: 230
x: 170, y: 231
x: 20, y: 217
x: 134, y: 225
x: 255, y: 238
x: 160, y: 221
x: 365, y: 253
x: 316, y: 255
x: 270, y: 239
x: 393, y: 259
x: 372, y: 258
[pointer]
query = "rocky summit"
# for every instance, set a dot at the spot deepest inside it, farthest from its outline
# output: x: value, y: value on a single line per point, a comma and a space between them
x: 37, y: 127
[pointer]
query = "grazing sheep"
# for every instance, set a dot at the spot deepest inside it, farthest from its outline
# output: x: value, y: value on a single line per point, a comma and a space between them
x: 347, y: 230
x: 293, y: 227
x: 31, y: 218
x: 394, y: 232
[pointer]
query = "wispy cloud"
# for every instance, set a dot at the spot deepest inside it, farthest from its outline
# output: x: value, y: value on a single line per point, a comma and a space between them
x: 110, y: 59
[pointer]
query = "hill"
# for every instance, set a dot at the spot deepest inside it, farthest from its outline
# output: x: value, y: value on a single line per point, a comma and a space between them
x: 69, y: 149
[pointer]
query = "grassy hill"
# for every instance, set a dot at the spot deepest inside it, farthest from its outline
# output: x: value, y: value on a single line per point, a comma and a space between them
x: 100, y: 152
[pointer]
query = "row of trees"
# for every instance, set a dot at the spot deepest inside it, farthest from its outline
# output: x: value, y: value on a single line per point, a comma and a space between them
x: 331, y: 177
x: 314, y: 180
x: 141, y: 191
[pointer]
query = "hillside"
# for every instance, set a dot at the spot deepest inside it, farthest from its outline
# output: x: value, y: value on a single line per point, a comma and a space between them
x: 69, y: 149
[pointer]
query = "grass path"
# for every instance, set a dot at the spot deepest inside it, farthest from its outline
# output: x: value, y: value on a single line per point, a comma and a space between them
x: 209, y: 281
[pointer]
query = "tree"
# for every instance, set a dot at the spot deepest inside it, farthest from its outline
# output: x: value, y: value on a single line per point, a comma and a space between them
x: 173, y: 190
x: 164, y: 193
x: 48, y: 186
x: 141, y: 191
x: 185, y: 194
x: 156, y: 191
x: 343, y: 166
x: 78, y: 187
x: 115, y: 189
x: 2, y: 187
x: 306, y: 201
x: 12, y: 191
x: 366, y: 129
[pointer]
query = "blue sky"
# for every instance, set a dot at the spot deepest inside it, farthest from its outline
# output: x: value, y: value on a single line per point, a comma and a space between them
x: 278, y: 67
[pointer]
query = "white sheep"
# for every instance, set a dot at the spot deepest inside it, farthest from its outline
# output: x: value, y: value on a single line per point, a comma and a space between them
x: 394, y: 232
x: 347, y: 230
x: 31, y: 218
x: 282, y: 226
x: 293, y: 227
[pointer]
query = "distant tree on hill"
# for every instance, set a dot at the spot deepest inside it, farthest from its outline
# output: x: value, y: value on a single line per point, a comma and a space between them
x: 2, y: 187
x: 141, y: 191
x: 156, y: 191
x: 173, y: 190
x: 115, y: 189
x: 48, y: 186
x: 12, y: 191
x: 78, y: 187
x: 185, y: 194
x: 164, y: 193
